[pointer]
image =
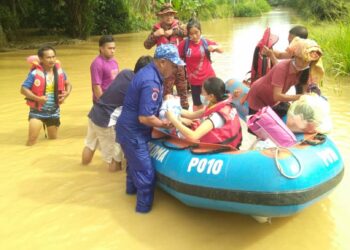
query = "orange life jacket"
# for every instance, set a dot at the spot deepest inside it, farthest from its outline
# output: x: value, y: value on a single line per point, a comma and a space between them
x: 231, y: 132
x: 39, y: 85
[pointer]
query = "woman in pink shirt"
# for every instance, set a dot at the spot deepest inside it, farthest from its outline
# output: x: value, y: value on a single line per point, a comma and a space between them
x: 271, y: 89
x: 195, y: 50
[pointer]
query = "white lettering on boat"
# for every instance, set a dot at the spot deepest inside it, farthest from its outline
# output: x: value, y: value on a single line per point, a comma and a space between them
x: 158, y: 152
x: 212, y: 166
x: 328, y: 156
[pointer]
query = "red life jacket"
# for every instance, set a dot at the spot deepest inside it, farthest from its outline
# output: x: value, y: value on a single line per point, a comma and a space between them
x: 261, y: 63
x: 231, y: 132
x: 39, y: 85
x: 174, y: 39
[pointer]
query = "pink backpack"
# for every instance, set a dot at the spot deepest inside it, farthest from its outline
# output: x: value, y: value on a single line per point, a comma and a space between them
x: 267, y: 124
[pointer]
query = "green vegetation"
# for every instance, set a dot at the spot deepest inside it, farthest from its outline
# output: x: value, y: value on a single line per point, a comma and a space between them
x: 82, y: 18
x: 250, y: 8
x: 328, y: 23
x: 334, y: 40
x: 321, y: 10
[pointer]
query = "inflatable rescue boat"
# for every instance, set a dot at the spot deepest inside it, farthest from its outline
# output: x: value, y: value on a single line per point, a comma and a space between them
x: 273, y: 182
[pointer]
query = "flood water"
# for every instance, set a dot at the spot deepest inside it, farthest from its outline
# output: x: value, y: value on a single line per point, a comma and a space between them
x: 49, y: 201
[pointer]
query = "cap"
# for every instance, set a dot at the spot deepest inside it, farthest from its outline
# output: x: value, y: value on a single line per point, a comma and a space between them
x: 166, y: 8
x: 169, y: 52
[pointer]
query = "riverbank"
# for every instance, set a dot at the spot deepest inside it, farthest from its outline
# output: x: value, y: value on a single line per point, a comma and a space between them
x: 30, y: 40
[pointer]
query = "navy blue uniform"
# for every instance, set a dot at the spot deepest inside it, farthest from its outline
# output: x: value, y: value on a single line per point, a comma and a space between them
x: 143, y: 98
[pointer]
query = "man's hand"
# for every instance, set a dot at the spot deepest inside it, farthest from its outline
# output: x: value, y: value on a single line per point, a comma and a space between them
x: 166, y: 124
x: 186, y: 122
x: 266, y: 51
x: 159, y: 32
x: 62, y: 96
x: 42, y: 99
x: 168, y: 33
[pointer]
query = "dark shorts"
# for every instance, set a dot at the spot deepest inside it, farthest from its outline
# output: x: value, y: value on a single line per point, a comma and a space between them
x: 196, y: 94
x: 48, y: 117
x: 48, y: 121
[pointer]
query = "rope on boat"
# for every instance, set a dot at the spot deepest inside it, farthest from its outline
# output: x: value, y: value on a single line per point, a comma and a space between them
x: 179, y: 148
x: 279, y: 167
x: 316, y: 140
x: 215, y: 151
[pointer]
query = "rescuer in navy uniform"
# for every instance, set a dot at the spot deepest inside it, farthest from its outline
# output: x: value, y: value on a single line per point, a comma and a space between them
x: 140, y: 110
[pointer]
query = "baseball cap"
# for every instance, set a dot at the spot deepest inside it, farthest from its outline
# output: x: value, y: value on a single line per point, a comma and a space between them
x: 169, y: 52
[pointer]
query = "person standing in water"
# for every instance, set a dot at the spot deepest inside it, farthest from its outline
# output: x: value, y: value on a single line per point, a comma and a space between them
x: 195, y: 50
x: 45, y: 89
x: 104, y: 68
x: 134, y: 127
x: 104, y: 115
x: 170, y: 30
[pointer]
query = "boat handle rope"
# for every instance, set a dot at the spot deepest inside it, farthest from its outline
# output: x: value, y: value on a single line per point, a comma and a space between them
x: 317, y: 140
x: 279, y: 167
x: 215, y: 151
x: 179, y: 148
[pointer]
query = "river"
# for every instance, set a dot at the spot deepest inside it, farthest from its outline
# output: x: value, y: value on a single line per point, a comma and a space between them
x: 49, y: 201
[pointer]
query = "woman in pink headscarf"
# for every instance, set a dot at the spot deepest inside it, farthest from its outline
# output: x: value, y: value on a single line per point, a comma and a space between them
x: 271, y: 89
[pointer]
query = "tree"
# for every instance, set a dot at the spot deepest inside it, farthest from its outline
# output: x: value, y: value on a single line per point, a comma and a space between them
x: 80, y: 18
x: 3, y: 38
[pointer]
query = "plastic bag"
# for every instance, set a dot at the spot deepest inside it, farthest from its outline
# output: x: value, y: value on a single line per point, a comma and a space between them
x: 309, y: 114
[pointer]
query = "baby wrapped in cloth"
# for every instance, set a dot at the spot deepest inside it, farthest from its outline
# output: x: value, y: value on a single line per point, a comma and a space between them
x: 171, y: 103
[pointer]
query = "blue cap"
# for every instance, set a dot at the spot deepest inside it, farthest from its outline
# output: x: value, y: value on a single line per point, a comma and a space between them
x: 169, y: 52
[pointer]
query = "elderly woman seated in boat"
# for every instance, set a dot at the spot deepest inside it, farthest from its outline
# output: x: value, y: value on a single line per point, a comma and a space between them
x: 219, y: 121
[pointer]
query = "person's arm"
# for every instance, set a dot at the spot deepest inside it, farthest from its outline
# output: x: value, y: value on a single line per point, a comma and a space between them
x: 97, y: 90
x: 153, y: 121
x: 278, y: 96
x: 67, y: 89
x: 215, y: 48
x: 26, y: 89
x: 272, y: 54
x: 276, y: 55
x: 203, y: 129
x: 152, y: 38
x: 96, y: 78
x: 282, y: 54
x: 192, y: 115
x: 180, y: 31
x: 31, y: 96
x: 150, y: 41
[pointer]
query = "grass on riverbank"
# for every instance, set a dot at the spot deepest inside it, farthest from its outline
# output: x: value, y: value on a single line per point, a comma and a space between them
x: 251, y: 8
x: 334, y: 40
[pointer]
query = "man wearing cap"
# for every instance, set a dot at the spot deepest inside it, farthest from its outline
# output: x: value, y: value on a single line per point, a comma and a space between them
x: 170, y: 30
x: 140, y: 110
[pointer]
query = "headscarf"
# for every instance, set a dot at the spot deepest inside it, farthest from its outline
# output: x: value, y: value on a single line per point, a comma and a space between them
x: 309, y: 51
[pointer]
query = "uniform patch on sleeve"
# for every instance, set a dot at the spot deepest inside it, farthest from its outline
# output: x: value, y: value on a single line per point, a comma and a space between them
x: 155, y: 95
x: 37, y: 82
